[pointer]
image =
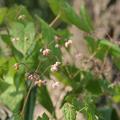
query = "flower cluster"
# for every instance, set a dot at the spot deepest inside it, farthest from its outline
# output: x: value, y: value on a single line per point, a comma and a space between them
x: 33, y: 76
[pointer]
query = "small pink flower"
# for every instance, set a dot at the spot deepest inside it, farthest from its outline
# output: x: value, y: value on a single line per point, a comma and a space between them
x: 54, y: 68
x: 46, y: 52
x: 55, y: 85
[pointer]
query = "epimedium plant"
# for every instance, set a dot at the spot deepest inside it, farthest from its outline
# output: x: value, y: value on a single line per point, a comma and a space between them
x: 35, y: 54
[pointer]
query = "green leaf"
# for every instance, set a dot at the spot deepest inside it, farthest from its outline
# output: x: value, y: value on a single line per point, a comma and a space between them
x: 94, y: 87
x: 45, y: 100
x: 68, y: 14
x: 48, y: 33
x: 10, y: 98
x: 4, y: 64
x: 92, y: 44
x: 69, y: 112
x: 54, y: 4
x: 30, y: 105
x: 3, y: 86
x: 3, y: 12
x: 113, y: 49
x: 22, y: 36
x: 17, y: 117
x: 7, y: 40
x: 19, y: 78
x: 85, y: 19
x: 107, y: 113
x: 14, y: 13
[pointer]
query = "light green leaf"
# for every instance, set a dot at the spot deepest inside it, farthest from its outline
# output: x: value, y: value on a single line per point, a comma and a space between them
x: 85, y: 19
x: 18, y: 13
x: 10, y: 98
x: 22, y: 36
x: 92, y: 43
x: 69, y: 112
x: 3, y: 12
x: 114, y: 49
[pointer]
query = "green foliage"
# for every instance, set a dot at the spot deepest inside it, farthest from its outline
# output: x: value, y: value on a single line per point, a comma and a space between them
x: 67, y: 14
x: 44, y: 117
x: 69, y: 112
x: 3, y: 12
x: 25, y: 69
x: 45, y: 100
x: 22, y: 36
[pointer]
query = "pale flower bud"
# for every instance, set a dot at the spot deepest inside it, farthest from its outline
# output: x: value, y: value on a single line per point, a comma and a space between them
x: 57, y: 63
x: 16, y: 66
x: 68, y: 43
x: 21, y: 17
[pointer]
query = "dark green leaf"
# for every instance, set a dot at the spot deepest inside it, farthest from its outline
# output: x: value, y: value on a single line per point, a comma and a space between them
x: 3, y: 86
x: 45, y: 100
x: 30, y: 105
x: 94, y: 87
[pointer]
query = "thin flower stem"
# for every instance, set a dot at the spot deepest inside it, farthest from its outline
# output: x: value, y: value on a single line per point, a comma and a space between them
x: 54, y: 21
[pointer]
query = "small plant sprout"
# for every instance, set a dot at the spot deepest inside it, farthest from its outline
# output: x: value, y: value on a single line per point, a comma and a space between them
x: 68, y: 43
x: 16, y: 66
x: 55, y: 67
x: 46, y: 52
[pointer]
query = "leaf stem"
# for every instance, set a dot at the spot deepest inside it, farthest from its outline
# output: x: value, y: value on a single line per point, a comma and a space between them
x: 54, y: 21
